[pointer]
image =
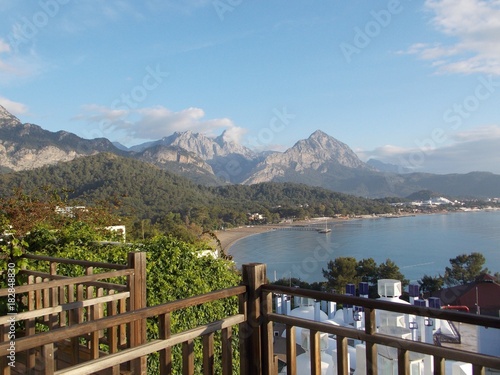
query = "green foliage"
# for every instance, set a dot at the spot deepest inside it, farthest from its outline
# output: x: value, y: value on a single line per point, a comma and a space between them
x: 347, y: 270
x: 430, y: 284
x: 158, y: 202
x: 174, y: 272
x: 464, y: 269
x: 340, y: 272
x: 296, y: 282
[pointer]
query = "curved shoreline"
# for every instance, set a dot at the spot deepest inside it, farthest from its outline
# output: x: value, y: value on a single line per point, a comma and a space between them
x: 229, y: 237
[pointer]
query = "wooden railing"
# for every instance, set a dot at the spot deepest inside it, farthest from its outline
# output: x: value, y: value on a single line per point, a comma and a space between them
x: 53, y: 302
x: 101, y: 321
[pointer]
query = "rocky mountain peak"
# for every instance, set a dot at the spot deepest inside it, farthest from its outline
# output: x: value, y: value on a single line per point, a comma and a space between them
x: 321, y: 147
x: 7, y: 118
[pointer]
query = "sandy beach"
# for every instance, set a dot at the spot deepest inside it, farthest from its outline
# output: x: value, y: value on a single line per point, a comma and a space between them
x: 229, y: 237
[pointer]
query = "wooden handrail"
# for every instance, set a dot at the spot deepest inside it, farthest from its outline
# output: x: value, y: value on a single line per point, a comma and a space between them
x: 457, y: 316
x: 151, y: 347
x: 395, y: 342
x: 84, y: 263
x: 59, y: 334
x: 69, y: 281
x: 98, y: 284
x: 64, y: 307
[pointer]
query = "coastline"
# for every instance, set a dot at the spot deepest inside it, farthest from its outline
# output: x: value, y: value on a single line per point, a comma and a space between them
x: 230, y: 237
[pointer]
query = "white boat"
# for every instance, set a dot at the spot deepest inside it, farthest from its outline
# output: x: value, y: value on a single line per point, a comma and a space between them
x: 326, y: 229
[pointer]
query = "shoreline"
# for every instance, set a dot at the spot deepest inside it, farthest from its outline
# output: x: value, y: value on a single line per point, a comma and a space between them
x: 229, y: 237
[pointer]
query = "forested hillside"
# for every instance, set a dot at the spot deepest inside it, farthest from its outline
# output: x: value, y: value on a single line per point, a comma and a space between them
x: 144, y: 192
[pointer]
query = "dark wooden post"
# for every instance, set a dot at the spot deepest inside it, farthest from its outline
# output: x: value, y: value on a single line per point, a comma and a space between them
x: 137, y: 287
x: 259, y: 360
x: 371, y: 348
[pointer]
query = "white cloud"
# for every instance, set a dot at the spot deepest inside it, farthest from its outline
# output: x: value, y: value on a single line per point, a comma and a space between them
x: 478, y: 134
x: 13, y: 107
x: 156, y: 122
x: 471, y: 150
x: 14, y: 65
x: 473, y: 26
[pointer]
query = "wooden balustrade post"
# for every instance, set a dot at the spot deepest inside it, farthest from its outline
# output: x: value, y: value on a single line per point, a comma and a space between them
x: 259, y: 360
x: 137, y: 287
x: 371, y: 348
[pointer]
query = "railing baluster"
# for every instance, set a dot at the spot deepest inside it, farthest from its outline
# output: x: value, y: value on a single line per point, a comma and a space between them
x: 31, y: 326
x: 94, y: 336
x: 291, y: 351
x: 75, y: 341
x: 188, y: 357
x: 227, y: 351
x: 242, y: 333
x: 315, y: 353
x: 208, y: 354
x: 342, y: 359
x: 137, y: 285
x: 48, y: 359
x: 403, y: 362
x: 478, y: 370
x: 165, y: 354
x: 122, y: 329
x: 371, y: 348
x: 112, y: 332
x: 439, y: 366
x: 267, y: 334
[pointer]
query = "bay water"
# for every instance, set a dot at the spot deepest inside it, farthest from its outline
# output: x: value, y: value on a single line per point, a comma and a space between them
x: 419, y: 245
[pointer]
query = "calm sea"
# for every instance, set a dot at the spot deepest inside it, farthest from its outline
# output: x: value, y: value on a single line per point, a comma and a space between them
x: 419, y: 245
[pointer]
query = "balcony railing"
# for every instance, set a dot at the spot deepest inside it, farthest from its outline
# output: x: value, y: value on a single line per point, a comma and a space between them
x: 89, y: 310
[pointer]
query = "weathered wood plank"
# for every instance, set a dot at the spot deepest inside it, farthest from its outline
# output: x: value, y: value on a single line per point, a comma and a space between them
x: 227, y: 351
x: 371, y: 348
x: 165, y: 329
x: 112, y: 332
x: 67, y: 281
x: 254, y: 276
x: 403, y: 362
x: 291, y: 351
x: 84, y: 263
x: 188, y: 357
x: 99, y: 284
x: 66, y: 307
x: 314, y: 352
x: 137, y: 287
x: 151, y: 347
x: 208, y: 354
x: 127, y: 317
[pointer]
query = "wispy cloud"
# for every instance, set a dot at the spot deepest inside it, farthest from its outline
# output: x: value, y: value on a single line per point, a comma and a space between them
x: 16, y: 108
x: 473, y: 27
x: 157, y: 122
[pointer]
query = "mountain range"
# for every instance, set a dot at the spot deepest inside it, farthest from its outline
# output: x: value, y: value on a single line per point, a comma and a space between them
x: 320, y: 160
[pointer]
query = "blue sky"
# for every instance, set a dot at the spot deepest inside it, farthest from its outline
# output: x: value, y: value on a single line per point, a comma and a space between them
x: 415, y: 83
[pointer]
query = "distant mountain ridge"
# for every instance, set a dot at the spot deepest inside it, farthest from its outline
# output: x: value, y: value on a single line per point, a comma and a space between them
x: 320, y: 160
x: 28, y: 146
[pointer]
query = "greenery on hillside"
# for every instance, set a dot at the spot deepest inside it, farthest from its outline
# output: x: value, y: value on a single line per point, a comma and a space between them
x: 174, y: 268
x: 156, y: 201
